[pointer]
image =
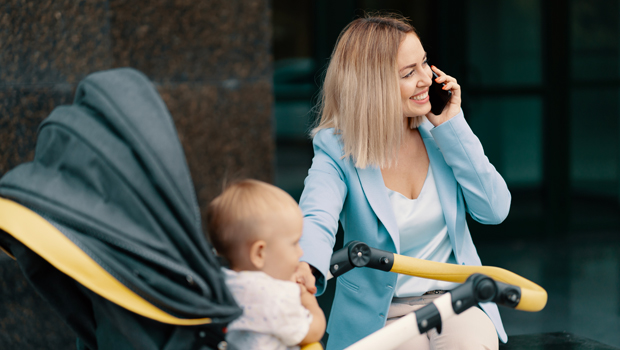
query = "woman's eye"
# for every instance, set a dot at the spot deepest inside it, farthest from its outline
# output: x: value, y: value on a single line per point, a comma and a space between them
x: 409, y: 74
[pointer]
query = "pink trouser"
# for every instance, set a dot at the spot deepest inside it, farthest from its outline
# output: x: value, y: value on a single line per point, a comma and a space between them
x: 471, y: 329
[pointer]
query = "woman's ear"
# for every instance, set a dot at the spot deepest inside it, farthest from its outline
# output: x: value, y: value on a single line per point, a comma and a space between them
x: 257, y: 254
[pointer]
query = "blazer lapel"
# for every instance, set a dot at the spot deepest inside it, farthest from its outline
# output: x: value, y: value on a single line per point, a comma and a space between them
x: 444, y: 179
x: 376, y: 194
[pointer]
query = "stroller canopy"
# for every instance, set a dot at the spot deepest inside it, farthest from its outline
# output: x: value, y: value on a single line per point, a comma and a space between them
x: 117, y: 212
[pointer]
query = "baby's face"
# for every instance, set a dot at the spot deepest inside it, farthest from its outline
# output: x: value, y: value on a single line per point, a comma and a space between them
x: 282, y: 251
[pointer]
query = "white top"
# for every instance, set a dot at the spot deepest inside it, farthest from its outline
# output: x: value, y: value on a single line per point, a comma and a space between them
x: 423, y: 235
x: 273, y: 317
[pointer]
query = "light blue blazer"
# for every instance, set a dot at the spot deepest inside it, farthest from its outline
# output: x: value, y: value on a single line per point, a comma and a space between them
x: 336, y: 190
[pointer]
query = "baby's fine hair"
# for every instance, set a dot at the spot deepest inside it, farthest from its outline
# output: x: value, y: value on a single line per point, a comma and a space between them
x: 233, y: 217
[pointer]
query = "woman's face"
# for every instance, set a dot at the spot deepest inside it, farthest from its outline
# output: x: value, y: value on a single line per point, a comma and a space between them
x: 414, y: 76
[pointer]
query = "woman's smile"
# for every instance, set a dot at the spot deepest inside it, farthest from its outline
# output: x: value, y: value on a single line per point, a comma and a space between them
x: 420, y: 98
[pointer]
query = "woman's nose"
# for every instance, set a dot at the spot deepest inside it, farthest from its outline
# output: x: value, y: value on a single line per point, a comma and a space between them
x: 426, y: 78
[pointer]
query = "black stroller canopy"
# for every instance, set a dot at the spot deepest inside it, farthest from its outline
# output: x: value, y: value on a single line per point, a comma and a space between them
x: 110, y: 175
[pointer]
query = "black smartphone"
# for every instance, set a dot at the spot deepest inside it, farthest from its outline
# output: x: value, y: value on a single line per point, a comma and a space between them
x: 438, y: 96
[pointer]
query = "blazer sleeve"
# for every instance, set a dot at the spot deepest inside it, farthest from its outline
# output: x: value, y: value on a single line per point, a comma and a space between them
x: 486, y: 194
x: 321, y: 202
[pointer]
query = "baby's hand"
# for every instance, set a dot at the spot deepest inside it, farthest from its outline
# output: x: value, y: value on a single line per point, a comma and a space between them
x: 303, y: 275
x: 303, y: 290
x: 304, y: 293
x: 317, y: 327
x: 307, y: 298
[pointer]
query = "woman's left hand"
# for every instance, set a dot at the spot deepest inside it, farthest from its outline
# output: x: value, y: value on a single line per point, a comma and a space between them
x: 453, y: 107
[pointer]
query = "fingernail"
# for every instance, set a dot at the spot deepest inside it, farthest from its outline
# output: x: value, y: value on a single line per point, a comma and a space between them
x: 433, y: 66
x: 437, y: 80
x: 445, y: 87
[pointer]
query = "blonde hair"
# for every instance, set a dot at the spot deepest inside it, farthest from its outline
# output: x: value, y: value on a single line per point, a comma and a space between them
x: 234, y: 217
x: 361, y: 94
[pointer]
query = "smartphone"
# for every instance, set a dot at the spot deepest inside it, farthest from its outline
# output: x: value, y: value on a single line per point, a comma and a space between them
x: 438, y: 96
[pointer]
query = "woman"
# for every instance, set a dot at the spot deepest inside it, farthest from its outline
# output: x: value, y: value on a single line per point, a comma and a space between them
x: 398, y: 178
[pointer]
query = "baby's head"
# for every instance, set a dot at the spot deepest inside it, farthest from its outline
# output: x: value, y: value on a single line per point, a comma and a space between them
x: 256, y: 226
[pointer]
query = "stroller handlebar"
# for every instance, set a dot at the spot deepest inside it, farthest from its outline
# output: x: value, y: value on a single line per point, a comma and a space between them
x: 514, y: 291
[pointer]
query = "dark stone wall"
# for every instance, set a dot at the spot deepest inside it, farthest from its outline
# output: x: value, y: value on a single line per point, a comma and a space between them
x: 210, y: 61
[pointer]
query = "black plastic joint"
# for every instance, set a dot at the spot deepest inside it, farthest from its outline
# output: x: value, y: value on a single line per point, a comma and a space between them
x: 381, y: 260
x: 507, y: 295
x: 428, y: 318
x: 340, y: 263
x: 477, y: 288
x: 359, y: 254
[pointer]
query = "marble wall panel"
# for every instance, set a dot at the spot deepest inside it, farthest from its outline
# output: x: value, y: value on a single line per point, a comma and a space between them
x: 187, y: 40
x: 53, y: 42
x: 211, y: 63
x: 22, y: 109
x: 226, y: 133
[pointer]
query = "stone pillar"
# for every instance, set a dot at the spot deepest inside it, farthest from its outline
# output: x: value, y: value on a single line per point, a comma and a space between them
x: 210, y: 61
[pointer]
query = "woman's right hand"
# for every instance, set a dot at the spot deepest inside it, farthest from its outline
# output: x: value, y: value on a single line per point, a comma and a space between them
x: 303, y: 275
x: 454, y: 105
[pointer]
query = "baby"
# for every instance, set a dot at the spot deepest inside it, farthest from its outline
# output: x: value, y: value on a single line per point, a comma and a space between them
x: 256, y: 227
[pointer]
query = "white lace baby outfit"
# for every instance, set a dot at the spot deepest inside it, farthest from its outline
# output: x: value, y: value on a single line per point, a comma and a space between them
x: 273, y: 317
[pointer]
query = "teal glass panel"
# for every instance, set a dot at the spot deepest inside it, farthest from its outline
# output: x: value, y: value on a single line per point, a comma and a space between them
x: 293, y: 119
x: 294, y: 89
x: 594, y: 140
x: 595, y: 36
x: 504, y: 42
x: 510, y: 129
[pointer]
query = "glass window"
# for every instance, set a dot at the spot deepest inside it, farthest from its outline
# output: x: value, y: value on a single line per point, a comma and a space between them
x: 504, y: 42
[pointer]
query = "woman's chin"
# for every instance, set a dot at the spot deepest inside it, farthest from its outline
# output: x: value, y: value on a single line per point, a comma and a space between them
x: 420, y: 112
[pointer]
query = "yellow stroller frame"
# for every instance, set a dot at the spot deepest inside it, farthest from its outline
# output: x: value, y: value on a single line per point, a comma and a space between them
x: 479, y: 284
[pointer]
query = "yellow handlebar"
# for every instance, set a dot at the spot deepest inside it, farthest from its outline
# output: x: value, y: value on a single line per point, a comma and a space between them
x: 533, y: 296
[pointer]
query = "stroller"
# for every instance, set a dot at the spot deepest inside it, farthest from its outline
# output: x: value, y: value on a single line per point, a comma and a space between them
x: 105, y: 225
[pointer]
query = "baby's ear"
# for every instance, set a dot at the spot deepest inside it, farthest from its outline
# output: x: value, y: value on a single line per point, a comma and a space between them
x: 257, y: 254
